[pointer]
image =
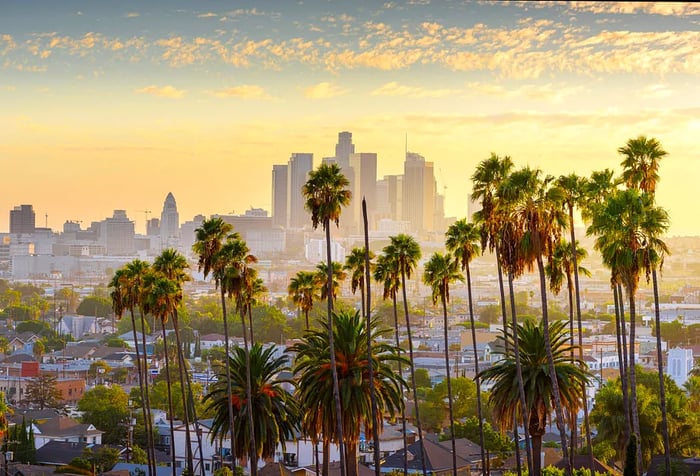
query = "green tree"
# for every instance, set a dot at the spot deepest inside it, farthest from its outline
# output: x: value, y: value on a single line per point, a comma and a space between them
x: 315, y: 389
x: 94, y: 306
x: 107, y: 409
x: 304, y: 290
x: 537, y: 382
x: 275, y: 411
x: 423, y: 378
x: 42, y: 392
x: 355, y: 265
x: 440, y: 271
x: 325, y: 194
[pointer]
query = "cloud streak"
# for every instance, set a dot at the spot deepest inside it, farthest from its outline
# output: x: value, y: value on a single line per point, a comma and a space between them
x: 162, y: 91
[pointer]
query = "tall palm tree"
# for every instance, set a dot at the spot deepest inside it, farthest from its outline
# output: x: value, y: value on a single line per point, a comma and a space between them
x: 161, y: 297
x: 440, y: 271
x: 121, y: 303
x: 404, y: 251
x: 640, y: 171
x: 487, y: 181
x: 172, y: 265
x: 134, y: 278
x: 213, y: 259
x: 325, y: 194
x: 355, y: 266
x: 386, y: 272
x: 315, y: 385
x: 536, y: 215
x: 275, y: 410
x: 627, y: 227
x: 535, y: 362
x: 304, y: 291
x: 253, y: 292
x: 462, y: 240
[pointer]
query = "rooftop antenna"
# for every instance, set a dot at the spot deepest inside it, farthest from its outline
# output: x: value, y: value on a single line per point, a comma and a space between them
x: 406, y: 147
x: 46, y: 222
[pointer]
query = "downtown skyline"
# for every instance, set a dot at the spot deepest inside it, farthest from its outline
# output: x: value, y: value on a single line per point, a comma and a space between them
x: 111, y: 106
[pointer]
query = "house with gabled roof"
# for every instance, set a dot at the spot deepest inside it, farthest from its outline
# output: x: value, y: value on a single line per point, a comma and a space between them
x: 438, y: 460
x: 48, y: 426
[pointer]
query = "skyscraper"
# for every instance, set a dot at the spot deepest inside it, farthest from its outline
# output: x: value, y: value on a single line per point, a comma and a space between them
x: 279, y: 195
x: 343, y: 149
x: 418, y: 193
x: 117, y: 234
x: 22, y: 219
x: 298, y: 168
x: 169, y: 223
x: 363, y: 183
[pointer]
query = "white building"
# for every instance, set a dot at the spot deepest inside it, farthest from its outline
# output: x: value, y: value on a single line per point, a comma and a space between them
x: 315, y: 251
x: 680, y: 363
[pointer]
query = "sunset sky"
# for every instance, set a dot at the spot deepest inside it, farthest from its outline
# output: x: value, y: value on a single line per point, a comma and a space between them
x: 112, y: 104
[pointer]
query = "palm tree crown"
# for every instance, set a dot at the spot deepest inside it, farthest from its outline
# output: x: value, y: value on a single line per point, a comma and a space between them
x: 325, y: 193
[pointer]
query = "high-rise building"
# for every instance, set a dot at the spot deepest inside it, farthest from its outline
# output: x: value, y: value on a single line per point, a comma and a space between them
x: 279, y: 195
x: 343, y: 149
x: 298, y: 168
x: 169, y: 223
x: 363, y: 184
x: 395, y: 186
x: 22, y: 219
x: 117, y: 234
x: 418, y: 193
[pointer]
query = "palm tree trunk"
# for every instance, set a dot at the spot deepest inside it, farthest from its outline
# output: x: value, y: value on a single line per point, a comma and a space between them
x: 519, y: 373
x: 622, y: 355
x: 228, y: 379
x: 253, y: 457
x: 573, y: 416
x: 477, y: 380
x: 147, y: 376
x: 633, y: 376
x: 577, y: 288
x: 145, y: 408
x: 662, y: 389
x: 185, y: 402
x: 170, y: 400
x: 449, y: 383
x: 326, y: 457
x: 331, y: 344
x: 413, y: 373
x: 250, y: 322
x: 552, y: 370
x: 351, y: 452
x: 400, y: 370
x: 373, y: 397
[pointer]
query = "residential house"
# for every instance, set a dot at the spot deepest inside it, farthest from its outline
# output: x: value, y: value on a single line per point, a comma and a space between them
x: 438, y: 460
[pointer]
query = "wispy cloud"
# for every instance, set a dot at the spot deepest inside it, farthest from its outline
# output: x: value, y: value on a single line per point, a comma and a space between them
x: 549, y: 92
x: 162, y: 91
x: 244, y: 91
x: 207, y: 15
x: 324, y: 90
x: 395, y: 89
x: 653, y: 8
x: 133, y: 15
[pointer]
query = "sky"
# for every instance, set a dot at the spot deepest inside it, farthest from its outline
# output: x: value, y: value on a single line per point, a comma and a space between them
x: 111, y: 105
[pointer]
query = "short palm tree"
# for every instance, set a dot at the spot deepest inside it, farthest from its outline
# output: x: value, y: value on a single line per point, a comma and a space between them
x: 275, y: 411
x: 440, y: 271
x: 304, y: 290
x: 355, y: 266
x: 572, y: 378
x: 338, y: 275
x: 315, y: 384
x: 404, y: 252
x: 325, y: 194
x: 462, y: 240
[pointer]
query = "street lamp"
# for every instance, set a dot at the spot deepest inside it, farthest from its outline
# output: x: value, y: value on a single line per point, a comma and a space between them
x: 8, y: 456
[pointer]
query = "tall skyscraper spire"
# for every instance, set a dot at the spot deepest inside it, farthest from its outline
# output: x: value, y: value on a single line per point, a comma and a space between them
x: 169, y: 223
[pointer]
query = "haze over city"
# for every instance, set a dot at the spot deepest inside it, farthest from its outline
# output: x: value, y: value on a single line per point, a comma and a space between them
x: 111, y: 105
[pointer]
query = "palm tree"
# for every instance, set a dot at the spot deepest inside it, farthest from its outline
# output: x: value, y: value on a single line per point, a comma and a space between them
x: 304, y: 290
x: 315, y: 385
x: 275, y: 410
x: 487, y: 181
x: 386, y: 272
x: 173, y: 265
x: 325, y: 193
x: 536, y: 368
x: 133, y: 283
x: 355, y: 265
x: 440, y: 271
x: 463, y: 242
x: 404, y: 251
x: 161, y: 296
x: 121, y: 303
x: 213, y: 258
x: 627, y: 227
x: 338, y: 275
x: 539, y: 220
x: 640, y: 171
